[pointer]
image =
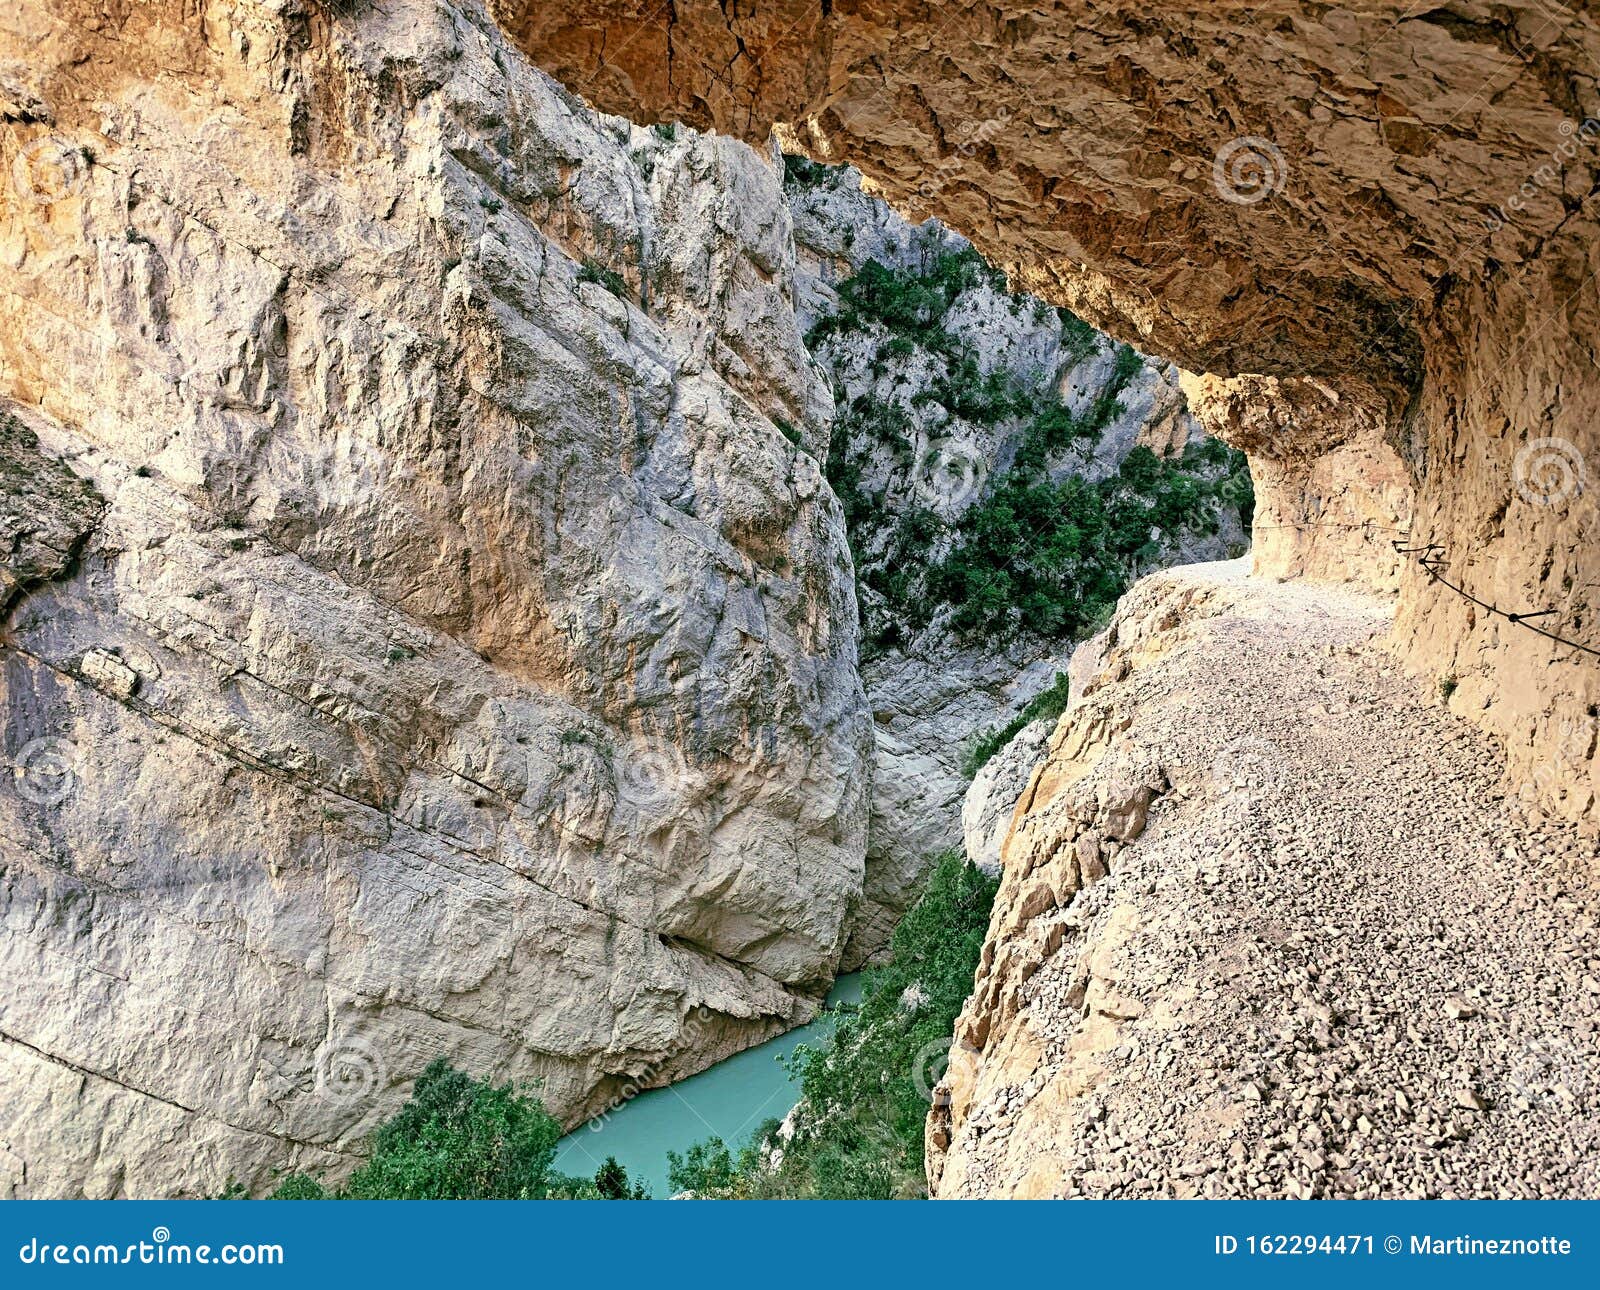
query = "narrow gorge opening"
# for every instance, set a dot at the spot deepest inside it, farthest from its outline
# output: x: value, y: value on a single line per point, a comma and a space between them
x: 1372, y: 240
x: 497, y: 593
x: 1005, y: 473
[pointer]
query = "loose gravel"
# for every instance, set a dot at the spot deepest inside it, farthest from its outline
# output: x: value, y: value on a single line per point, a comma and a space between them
x: 1348, y: 962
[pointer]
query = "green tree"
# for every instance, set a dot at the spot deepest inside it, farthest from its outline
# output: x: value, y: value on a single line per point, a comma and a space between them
x: 456, y: 1139
x: 706, y: 1169
x: 300, y: 1187
x: 858, y: 1133
x: 460, y: 1139
x: 611, y: 1181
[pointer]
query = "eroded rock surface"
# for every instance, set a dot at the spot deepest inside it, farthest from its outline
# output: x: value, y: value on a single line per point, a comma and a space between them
x: 464, y: 663
x: 46, y: 514
x: 1332, y: 499
x: 1270, y: 926
x: 991, y: 799
x: 1399, y: 202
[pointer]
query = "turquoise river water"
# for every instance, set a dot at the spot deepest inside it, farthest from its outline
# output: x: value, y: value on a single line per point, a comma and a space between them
x: 728, y: 1101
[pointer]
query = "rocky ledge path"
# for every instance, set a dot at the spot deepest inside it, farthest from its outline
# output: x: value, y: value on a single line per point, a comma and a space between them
x: 1334, y: 957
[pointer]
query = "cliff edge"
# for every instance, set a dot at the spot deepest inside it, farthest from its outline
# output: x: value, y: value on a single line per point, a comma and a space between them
x: 1270, y: 925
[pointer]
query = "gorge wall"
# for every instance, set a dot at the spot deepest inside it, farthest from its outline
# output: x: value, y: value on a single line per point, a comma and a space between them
x: 429, y: 629
x: 421, y: 638
x: 429, y: 625
x: 953, y: 397
x: 1396, y: 202
x: 1370, y: 232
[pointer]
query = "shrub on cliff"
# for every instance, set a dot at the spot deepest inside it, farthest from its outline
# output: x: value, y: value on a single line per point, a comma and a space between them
x: 1048, y: 703
x: 706, y: 1169
x: 456, y: 1139
x: 611, y: 1183
x: 1030, y: 552
x: 878, y: 1063
x: 1049, y: 558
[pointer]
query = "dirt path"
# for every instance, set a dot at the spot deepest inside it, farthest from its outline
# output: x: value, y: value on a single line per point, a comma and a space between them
x: 1339, y: 961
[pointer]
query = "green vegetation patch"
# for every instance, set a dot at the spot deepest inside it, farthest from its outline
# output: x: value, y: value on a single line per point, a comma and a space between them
x: 593, y: 271
x: 1034, y: 555
x: 907, y: 303
x: 865, y: 1091
x: 1049, y: 703
x: 1050, y: 558
x: 459, y: 1138
x: 802, y: 172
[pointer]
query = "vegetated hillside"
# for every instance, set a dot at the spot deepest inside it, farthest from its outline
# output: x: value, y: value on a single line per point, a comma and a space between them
x: 1005, y: 472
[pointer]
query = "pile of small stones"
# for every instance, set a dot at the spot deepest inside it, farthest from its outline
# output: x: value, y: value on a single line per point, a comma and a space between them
x: 1359, y: 967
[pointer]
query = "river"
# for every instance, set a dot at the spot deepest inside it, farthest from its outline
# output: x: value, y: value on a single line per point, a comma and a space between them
x: 729, y: 1101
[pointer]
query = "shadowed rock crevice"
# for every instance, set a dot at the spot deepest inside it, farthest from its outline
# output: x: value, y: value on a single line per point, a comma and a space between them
x: 47, y: 515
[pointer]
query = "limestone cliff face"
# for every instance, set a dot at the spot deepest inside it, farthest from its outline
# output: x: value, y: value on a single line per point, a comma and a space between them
x: 932, y: 416
x: 1398, y: 204
x: 421, y: 639
x: 1372, y: 233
